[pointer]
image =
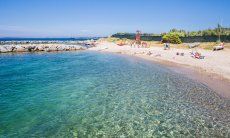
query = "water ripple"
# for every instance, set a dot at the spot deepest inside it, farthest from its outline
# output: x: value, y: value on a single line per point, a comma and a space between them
x: 87, y: 94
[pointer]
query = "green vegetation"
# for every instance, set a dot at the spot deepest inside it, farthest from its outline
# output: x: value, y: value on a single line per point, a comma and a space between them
x: 183, y: 33
x: 172, y: 37
x: 180, y: 33
x: 209, y: 35
x: 208, y: 32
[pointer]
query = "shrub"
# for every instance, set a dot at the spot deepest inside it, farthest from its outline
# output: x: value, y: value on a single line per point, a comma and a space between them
x: 172, y: 38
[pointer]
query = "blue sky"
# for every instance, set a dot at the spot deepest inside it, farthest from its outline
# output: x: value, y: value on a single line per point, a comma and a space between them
x: 73, y: 18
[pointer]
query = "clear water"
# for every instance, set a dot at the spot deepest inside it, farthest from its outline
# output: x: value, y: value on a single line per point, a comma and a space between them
x: 87, y: 94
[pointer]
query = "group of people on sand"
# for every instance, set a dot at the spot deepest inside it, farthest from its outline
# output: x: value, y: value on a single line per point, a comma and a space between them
x: 135, y: 44
x: 194, y: 54
x: 139, y: 44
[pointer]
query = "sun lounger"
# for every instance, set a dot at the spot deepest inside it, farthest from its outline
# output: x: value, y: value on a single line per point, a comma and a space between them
x: 193, y: 45
x: 218, y: 48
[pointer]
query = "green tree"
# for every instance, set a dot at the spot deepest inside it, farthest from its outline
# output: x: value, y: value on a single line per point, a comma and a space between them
x: 208, y: 32
x: 181, y: 33
x: 172, y: 37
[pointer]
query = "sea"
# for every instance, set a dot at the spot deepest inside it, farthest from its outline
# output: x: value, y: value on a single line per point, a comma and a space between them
x: 48, y: 39
x: 96, y: 94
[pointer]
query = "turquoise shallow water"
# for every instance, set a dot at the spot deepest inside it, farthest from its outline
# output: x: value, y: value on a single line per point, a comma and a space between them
x: 87, y: 94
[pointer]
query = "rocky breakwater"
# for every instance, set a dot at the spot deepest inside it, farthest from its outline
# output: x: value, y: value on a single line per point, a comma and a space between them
x: 39, y: 47
x: 32, y: 46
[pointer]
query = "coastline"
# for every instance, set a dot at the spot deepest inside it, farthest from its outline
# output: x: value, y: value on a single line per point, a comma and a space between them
x: 217, y: 81
x: 216, y: 77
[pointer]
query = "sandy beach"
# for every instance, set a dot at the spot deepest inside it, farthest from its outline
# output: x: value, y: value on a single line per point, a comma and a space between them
x: 213, y: 70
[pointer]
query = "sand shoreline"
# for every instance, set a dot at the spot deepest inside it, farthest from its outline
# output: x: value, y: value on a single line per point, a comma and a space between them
x: 202, y: 71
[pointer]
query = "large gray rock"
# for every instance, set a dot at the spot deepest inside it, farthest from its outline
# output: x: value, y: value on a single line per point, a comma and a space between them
x: 30, y: 48
x: 3, y: 49
x: 7, y: 48
x: 10, y: 48
x: 19, y: 48
x: 60, y: 48
x: 47, y: 50
x: 53, y: 48
x: 39, y: 48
